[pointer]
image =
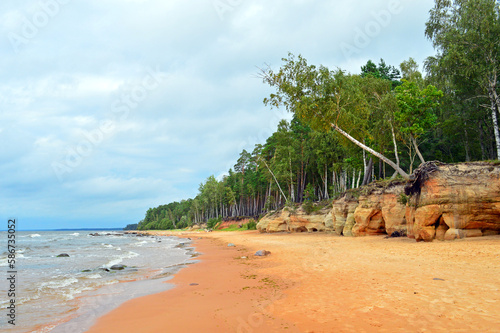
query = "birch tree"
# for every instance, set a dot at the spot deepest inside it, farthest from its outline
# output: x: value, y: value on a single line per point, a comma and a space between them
x: 465, y: 33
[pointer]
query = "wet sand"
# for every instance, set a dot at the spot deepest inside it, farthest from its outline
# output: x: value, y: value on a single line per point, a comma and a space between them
x: 323, y: 283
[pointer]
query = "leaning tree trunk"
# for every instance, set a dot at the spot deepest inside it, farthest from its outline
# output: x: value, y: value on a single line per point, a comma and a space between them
x: 373, y: 152
x: 493, y: 99
x: 412, y: 138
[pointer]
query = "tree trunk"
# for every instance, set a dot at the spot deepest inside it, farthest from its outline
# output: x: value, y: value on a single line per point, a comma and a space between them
x: 493, y: 100
x: 353, y: 179
x: 326, y: 183
x: 283, y: 194
x: 380, y: 169
x: 395, y: 150
x: 466, y: 144
x: 368, y: 172
x: 412, y: 138
x: 373, y: 152
x: 481, y: 141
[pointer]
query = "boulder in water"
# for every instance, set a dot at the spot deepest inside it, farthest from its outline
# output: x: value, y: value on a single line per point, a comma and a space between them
x: 117, y: 267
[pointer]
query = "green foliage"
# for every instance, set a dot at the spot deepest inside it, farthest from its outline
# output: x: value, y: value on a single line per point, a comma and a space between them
x: 250, y: 225
x: 403, y: 198
x: 416, y: 113
x: 304, y: 160
x: 308, y: 207
x: 310, y: 197
x: 465, y: 35
x: 131, y: 227
x: 213, y: 223
x: 382, y: 71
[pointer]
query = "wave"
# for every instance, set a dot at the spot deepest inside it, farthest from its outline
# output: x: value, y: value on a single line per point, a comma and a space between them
x: 61, y: 283
x: 113, y: 262
x: 34, y: 235
x: 139, y: 244
x: 70, y: 294
x: 94, y: 276
x: 119, y: 259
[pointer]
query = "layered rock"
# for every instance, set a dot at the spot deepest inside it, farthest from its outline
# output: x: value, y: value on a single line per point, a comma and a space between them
x: 450, y: 201
x: 296, y: 221
x: 343, y: 214
x: 380, y: 210
x: 442, y: 201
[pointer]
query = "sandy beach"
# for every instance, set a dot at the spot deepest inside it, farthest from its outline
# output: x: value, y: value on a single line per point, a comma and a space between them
x: 314, y: 282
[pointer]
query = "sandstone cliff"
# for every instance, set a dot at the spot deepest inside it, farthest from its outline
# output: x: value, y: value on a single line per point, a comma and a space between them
x: 442, y: 201
x: 380, y: 210
x: 454, y: 201
x: 371, y: 210
x: 296, y: 221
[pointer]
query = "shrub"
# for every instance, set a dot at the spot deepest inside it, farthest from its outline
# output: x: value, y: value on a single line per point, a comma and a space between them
x: 403, y: 199
x: 213, y: 222
x: 308, y: 206
x: 251, y: 225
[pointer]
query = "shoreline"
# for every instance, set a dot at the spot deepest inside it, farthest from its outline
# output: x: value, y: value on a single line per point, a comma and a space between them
x: 323, y: 283
x: 87, y: 306
x: 220, y: 293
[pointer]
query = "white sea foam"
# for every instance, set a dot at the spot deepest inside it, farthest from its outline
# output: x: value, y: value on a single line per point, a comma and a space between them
x: 61, y: 283
x: 139, y: 244
x: 94, y: 276
x: 70, y: 294
x: 130, y: 255
x: 51, y: 281
x: 118, y: 259
x: 113, y: 262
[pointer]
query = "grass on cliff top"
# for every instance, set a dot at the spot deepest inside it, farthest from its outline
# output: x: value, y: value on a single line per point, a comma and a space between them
x: 485, y: 162
x: 378, y: 185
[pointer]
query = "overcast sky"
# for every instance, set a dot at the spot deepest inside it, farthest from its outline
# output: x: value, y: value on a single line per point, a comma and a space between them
x: 109, y: 107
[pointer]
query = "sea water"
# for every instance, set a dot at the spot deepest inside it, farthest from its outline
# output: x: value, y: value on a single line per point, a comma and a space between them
x: 67, y: 294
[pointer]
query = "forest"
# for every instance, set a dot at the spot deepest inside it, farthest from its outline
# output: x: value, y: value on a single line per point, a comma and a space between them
x: 351, y: 129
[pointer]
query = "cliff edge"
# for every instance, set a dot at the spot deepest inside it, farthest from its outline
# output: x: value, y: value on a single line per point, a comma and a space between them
x: 441, y: 201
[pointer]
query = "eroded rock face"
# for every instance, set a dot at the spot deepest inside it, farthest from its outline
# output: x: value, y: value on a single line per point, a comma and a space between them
x: 343, y: 212
x: 297, y: 221
x: 443, y: 202
x: 454, y: 201
x: 381, y: 211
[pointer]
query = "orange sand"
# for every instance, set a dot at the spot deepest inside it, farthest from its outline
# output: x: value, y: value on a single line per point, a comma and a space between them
x: 324, y: 283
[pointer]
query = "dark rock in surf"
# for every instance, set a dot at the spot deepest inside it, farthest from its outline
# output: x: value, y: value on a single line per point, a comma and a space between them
x: 117, y: 267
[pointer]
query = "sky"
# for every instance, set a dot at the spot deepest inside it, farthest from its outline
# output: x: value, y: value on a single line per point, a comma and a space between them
x: 110, y: 107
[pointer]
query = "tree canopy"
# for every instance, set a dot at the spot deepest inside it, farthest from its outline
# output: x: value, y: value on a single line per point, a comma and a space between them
x: 349, y: 129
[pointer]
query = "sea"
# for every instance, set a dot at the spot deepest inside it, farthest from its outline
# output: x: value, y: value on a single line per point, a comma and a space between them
x: 67, y: 294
